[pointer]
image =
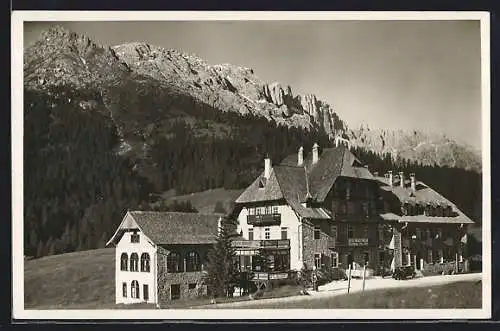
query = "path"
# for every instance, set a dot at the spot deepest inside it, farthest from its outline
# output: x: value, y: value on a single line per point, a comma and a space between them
x: 340, y: 287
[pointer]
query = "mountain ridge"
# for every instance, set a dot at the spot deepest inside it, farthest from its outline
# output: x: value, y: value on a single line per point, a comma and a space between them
x: 61, y: 57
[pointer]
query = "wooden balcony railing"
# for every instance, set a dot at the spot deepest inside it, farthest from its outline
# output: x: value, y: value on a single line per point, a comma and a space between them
x: 264, y: 219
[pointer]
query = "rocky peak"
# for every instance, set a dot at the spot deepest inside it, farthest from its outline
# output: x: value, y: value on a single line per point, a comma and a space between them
x: 61, y: 57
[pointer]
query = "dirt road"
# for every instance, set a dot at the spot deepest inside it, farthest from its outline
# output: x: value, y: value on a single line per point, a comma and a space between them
x: 340, y: 287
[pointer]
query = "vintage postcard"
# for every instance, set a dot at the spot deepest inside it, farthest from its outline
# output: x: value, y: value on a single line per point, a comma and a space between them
x: 243, y: 165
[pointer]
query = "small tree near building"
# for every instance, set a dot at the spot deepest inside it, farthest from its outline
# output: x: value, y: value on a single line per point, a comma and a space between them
x: 222, y: 269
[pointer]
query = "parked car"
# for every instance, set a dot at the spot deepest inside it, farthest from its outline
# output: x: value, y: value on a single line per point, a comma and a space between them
x: 404, y: 272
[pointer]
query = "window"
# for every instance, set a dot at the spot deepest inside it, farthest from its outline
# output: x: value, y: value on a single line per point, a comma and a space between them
x: 367, y: 258
x: 335, y: 259
x: 174, y: 262
x: 381, y: 258
x: 257, y: 211
x: 365, y: 209
x: 440, y: 255
x: 439, y: 233
x: 429, y: 256
x: 145, y: 262
x: 193, y: 262
x: 333, y: 231
x: 175, y: 291
x: 284, y: 233
x: 134, y: 262
x: 192, y: 286
x: 365, y: 231
x: 145, y: 292
x: 267, y: 233
x: 418, y: 234
x: 317, y: 232
x: 134, y: 238
x: 250, y: 234
x: 124, y: 262
x: 350, y: 231
x: 275, y: 209
x: 428, y: 234
x: 343, y: 208
x: 268, y: 209
x: 124, y: 290
x: 317, y: 261
x: 251, y: 211
x: 381, y: 232
x: 135, y: 289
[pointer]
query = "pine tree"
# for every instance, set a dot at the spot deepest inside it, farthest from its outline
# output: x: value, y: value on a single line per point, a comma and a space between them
x: 222, y: 268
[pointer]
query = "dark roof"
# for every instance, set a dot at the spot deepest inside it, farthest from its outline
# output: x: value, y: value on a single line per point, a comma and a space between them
x: 171, y: 228
x: 293, y: 182
x: 423, y: 195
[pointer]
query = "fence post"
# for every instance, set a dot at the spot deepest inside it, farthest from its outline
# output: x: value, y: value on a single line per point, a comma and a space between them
x: 349, y: 279
x: 364, y: 275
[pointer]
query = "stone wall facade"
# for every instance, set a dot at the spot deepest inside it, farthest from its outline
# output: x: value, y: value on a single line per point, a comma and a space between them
x: 313, y: 246
x: 190, y: 283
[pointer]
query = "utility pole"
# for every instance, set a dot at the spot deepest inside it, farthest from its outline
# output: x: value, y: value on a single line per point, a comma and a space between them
x: 364, y: 275
x: 349, y: 279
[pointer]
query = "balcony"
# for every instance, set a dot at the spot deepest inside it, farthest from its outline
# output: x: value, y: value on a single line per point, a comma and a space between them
x: 264, y: 219
x: 266, y: 244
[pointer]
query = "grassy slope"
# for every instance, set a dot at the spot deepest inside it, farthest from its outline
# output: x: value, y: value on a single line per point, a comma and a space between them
x: 205, y: 201
x: 455, y: 295
x: 74, y: 279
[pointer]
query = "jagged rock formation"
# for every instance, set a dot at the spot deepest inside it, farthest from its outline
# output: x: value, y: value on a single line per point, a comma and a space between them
x: 61, y: 57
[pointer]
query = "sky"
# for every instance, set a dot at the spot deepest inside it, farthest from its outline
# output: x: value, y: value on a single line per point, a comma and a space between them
x: 388, y: 74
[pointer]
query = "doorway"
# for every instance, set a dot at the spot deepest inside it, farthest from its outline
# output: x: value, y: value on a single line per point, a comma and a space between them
x: 349, y: 260
x: 418, y: 258
x: 175, y: 291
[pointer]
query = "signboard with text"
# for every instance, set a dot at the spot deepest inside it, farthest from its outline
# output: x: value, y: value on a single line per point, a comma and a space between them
x: 358, y: 242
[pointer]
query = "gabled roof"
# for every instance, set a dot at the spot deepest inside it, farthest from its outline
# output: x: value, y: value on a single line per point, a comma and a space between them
x: 293, y: 183
x: 269, y: 192
x: 424, y: 195
x: 171, y: 228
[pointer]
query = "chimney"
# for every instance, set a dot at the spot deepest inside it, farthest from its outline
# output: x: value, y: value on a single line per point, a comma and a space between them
x: 390, y: 177
x: 300, y: 157
x: 375, y: 173
x: 315, y: 156
x: 412, y: 178
x: 401, y: 179
x: 267, y: 167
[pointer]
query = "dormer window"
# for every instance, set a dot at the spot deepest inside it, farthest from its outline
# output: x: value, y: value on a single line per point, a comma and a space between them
x: 134, y: 238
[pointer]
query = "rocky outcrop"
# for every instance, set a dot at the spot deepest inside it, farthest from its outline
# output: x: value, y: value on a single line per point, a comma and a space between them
x: 61, y: 57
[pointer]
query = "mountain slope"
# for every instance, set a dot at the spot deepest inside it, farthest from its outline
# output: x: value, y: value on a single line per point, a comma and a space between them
x: 60, y: 57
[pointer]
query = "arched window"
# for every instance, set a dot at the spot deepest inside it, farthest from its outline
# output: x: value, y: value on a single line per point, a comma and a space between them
x: 134, y: 262
x: 145, y: 262
x: 193, y: 262
x: 135, y: 289
x: 174, y: 262
x: 124, y: 262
